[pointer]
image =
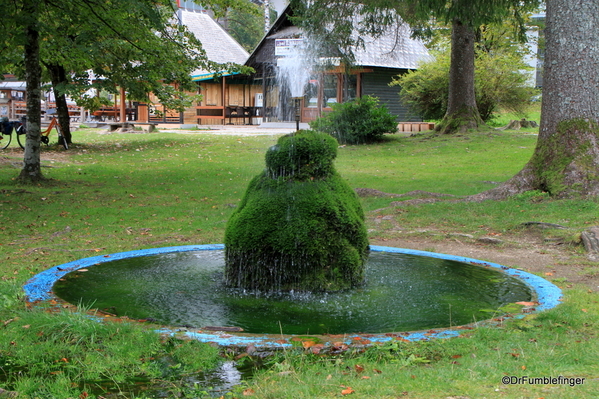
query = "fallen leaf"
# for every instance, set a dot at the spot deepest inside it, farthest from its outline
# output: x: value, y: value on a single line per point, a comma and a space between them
x: 584, y: 310
x: 248, y: 392
x: 549, y: 274
x: 377, y: 371
x: 347, y: 391
x: 358, y: 368
x: 526, y: 303
x: 329, y: 377
x: 308, y: 344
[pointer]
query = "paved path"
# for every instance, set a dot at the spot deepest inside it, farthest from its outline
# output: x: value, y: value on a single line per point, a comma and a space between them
x: 270, y: 128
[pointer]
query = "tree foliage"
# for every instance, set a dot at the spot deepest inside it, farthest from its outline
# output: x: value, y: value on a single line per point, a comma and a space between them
x: 137, y: 45
x: 246, y: 27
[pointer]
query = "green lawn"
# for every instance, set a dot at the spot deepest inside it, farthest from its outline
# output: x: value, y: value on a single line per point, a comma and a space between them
x: 119, y: 192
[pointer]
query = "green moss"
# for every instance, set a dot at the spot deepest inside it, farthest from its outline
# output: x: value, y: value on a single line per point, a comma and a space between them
x: 576, y: 124
x: 568, y: 149
x: 297, y: 227
x: 302, y: 155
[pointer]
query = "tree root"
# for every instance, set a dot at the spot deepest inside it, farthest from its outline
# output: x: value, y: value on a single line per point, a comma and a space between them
x: 520, y: 183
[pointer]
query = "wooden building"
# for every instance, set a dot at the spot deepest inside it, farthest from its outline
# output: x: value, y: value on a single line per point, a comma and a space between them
x: 225, y: 99
x: 382, y: 58
x: 13, y: 101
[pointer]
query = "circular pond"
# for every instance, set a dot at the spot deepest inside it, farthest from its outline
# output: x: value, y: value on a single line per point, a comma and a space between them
x: 182, y: 286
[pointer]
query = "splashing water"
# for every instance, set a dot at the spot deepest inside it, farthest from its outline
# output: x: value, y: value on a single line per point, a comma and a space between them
x: 293, y: 72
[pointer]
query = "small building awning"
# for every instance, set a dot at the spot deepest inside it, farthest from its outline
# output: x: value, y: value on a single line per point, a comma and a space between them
x: 13, y: 85
x: 211, y: 75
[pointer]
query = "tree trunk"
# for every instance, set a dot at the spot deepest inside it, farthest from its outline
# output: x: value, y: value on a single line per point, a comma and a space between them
x: 31, y: 171
x: 462, y: 112
x: 59, y: 78
x: 566, y: 159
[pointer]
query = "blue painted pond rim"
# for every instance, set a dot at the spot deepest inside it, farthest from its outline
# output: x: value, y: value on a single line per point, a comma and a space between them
x: 38, y: 289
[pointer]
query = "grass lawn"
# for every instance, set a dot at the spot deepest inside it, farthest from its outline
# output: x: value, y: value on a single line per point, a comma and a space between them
x: 119, y: 192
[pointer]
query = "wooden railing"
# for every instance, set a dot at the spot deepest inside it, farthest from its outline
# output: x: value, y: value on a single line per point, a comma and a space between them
x: 210, y: 112
x: 415, y: 126
x: 19, y: 109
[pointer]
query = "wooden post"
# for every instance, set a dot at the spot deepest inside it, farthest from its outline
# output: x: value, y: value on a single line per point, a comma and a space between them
x: 223, y: 96
x: 123, y: 114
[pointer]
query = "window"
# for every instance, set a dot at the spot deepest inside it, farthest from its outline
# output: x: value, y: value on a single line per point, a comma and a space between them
x: 350, y: 87
x: 330, y: 90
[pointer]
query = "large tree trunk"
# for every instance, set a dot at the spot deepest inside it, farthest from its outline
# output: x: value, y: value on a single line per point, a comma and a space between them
x: 59, y: 78
x: 462, y: 112
x: 566, y: 159
x: 31, y: 171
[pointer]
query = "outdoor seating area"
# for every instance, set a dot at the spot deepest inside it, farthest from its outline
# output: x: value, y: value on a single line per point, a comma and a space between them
x: 113, y: 113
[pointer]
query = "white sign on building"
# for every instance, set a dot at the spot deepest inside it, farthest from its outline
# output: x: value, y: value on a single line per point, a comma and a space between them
x: 284, y: 47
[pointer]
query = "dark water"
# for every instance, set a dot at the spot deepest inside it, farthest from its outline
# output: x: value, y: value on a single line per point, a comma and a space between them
x: 402, y: 293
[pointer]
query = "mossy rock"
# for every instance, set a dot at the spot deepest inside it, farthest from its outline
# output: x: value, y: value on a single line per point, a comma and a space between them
x: 303, y: 155
x: 299, y: 225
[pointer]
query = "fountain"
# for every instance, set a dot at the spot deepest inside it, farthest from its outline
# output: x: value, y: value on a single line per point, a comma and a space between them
x: 294, y: 263
x: 299, y: 226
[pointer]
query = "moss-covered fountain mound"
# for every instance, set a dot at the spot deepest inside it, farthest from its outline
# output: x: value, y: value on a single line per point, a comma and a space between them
x: 299, y: 225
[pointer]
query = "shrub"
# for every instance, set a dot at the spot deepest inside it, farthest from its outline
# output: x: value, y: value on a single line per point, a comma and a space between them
x: 359, y: 121
x: 500, y: 83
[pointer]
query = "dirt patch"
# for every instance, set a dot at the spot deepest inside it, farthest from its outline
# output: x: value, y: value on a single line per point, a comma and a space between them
x: 14, y: 157
x: 563, y: 263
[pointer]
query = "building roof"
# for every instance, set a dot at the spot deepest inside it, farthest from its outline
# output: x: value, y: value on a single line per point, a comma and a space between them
x: 394, y: 48
x: 219, y: 45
